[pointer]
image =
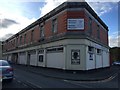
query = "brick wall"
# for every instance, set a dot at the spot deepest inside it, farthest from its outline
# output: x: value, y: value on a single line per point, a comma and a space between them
x: 62, y: 28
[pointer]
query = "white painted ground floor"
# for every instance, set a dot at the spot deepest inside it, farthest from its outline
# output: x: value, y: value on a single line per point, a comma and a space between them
x: 69, y: 54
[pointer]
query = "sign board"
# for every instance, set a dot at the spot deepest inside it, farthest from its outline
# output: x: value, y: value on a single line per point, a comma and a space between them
x: 90, y: 56
x: 75, y: 56
x: 75, y: 24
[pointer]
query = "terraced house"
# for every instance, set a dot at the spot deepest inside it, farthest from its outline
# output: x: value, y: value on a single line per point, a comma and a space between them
x: 70, y: 37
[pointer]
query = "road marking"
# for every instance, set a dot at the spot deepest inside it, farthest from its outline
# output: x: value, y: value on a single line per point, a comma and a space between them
x: 33, y: 84
x: 78, y: 84
x: 105, y: 80
x: 25, y: 85
x: 18, y: 81
x: 65, y: 80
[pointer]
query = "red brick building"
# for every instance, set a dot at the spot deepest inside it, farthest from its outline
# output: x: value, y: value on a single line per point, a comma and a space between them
x: 71, y: 36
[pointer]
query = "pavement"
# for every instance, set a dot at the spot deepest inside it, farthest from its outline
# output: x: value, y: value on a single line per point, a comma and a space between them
x: 91, y: 75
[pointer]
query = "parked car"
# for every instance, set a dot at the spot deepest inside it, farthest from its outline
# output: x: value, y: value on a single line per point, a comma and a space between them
x: 6, y: 71
x: 116, y: 63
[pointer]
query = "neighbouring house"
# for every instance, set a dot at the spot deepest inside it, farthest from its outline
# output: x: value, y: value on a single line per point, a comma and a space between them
x: 71, y: 37
x: 114, y: 54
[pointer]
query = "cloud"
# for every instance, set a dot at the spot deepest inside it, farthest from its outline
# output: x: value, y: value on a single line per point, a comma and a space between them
x: 6, y: 37
x: 5, y: 23
x: 50, y: 5
x: 102, y: 7
x: 15, y: 28
x: 114, y: 40
x: 13, y: 23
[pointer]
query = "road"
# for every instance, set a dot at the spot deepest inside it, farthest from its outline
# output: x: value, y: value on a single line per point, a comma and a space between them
x: 26, y: 79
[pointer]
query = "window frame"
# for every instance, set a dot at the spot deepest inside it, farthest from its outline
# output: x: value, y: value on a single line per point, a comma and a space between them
x: 54, y: 25
x: 42, y: 33
x: 90, y: 25
x: 98, y: 51
x: 25, y: 38
x: 42, y: 58
x: 91, y: 49
x: 21, y: 40
x: 98, y: 31
x: 32, y: 35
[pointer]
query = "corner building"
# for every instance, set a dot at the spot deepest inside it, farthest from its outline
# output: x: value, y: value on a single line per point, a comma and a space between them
x: 70, y: 37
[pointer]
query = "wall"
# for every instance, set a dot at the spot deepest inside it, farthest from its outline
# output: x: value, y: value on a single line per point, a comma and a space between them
x: 81, y: 57
x: 99, y: 60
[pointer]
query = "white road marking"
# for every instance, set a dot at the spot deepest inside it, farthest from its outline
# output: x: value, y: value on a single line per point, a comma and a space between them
x: 18, y: 81
x: 105, y: 80
x: 78, y: 84
x: 33, y: 84
x: 25, y: 85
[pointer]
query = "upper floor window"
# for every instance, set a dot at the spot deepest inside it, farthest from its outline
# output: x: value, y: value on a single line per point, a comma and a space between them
x: 20, y: 39
x: 90, y: 25
x: 54, y: 25
x: 42, y: 31
x: 98, y: 31
x: 32, y: 35
x: 16, y: 41
x: 24, y: 38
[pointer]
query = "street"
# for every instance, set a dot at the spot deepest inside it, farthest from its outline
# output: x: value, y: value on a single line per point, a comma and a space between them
x: 26, y: 79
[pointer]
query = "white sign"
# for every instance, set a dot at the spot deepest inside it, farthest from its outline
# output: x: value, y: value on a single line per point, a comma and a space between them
x: 90, y: 56
x: 75, y: 24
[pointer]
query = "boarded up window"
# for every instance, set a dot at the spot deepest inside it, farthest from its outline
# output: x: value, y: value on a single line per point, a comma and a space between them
x: 75, y: 56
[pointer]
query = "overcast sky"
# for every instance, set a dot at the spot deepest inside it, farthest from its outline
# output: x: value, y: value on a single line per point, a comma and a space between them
x: 18, y: 14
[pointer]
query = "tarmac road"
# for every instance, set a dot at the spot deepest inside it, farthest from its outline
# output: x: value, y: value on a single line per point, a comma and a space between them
x: 26, y: 79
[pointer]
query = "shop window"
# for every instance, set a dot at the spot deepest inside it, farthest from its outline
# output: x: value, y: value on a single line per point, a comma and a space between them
x: 90, y: 49
x: 51, y: 50
x: 98, y: 51
x: 40, y: 51
x: 41, y: 58
x: 59, y: 49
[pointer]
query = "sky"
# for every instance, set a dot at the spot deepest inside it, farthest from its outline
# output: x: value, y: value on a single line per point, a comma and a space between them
x: 18, y: 14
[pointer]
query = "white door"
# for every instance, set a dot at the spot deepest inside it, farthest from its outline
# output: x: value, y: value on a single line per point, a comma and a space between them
x: 9, y: 58
x: 98, y: 60
x: 55, y: 60
x: 105, y: 59
x: 22, y: 58
x: 33, y: 59
x: 90, y: 61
